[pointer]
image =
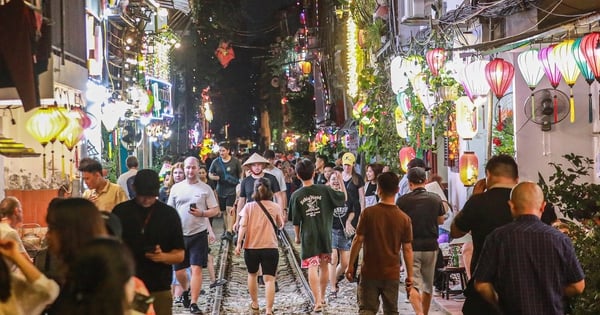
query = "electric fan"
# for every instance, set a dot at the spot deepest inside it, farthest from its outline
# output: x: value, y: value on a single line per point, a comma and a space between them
x: 550, y: 107
x: 131, y: 135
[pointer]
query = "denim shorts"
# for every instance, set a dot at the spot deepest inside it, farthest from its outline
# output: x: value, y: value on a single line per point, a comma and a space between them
x: 339, y: 240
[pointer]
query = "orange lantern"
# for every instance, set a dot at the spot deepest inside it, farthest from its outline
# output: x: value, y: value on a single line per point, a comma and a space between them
x: 405, y: 155
x: 468, y: 166
x: 306, y: 67
x: 45, y: 125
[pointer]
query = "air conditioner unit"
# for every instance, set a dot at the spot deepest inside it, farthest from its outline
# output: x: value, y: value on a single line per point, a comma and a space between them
x: 416, y: 12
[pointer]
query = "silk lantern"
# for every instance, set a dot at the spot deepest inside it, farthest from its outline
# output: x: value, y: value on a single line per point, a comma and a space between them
x: 404, y: 103
x: 586, y: 71
x: 405, y: 155
x: 401, y: 123
x: 475, y: 82
x: 499, y: 74
x: 467, y: 124
x: 590, y: 47
x: 398, y: 78
x: 552, y: 73
x: 44, y: 125
x: 435, y: 60
x: 533, y: 71
x: 563, y: 54
x: 421, y: 89
x: 468, y: 166
x: 413, y: 66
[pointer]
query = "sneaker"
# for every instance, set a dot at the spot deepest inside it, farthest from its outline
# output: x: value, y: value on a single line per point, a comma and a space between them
x: 178, y: 300
x: 194, y: 309
x: 185, y: 298
x: 218, y: 282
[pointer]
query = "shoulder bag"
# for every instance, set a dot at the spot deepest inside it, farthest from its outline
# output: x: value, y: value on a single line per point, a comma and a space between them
x: 277, y: 233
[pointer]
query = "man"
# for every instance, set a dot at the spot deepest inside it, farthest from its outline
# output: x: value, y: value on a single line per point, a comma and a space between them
x: 312, y: 215
x: 426, y: 212
x: 383, y: 230
x: 403, y: 185
x: 104, y: 194
x: 132, y: 168
x: 11, y: 215
x: 320, y: 169
x: 281, y: 196
x: 527, y: 266
x: 152, y: 231
x: 226, y: 171
x: 195, y: 202
x: 483, y: 213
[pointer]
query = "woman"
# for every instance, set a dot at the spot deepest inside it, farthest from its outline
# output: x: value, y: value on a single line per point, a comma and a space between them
x: 341, y: 236
x: 354, y: 185
x: 24, y: 293
x: 373, y: 170
x: 100, y: 281
x: 177, y: 175
x: 260, y: 241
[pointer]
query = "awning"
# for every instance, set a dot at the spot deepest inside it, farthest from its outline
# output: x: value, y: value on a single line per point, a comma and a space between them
x: 11, y: 148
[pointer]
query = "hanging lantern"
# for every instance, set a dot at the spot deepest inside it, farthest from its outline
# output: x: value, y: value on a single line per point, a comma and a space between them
x: 448, y: 93
x: 45, y: 125
x: 475, y: 82
x: 421, y: 89
x: 467, y: 124
x: 435, y: 60
x: 499, y: 74
x: 306, y: 67
x: 532, y: 70
x: 404, y: 103
x: 550, y: 65
x: 586, y: 71
x: 468, y: 166
x: 455, y: 68
x: 398, y: 79
x: 111, y: 113
x: 563, y: 54
x: 413, y: 66
x: 591, y: 51
x: 401, y: 123
x: 405, y: 155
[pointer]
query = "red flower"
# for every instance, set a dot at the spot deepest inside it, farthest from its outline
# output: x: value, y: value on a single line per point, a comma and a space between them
x: 500, y: 126
x: 496, y: 141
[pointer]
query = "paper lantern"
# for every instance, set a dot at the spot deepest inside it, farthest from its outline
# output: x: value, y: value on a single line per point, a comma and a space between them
x: 398, y: 78
x: 435, y: 60
x: 531, y: 68
x: 591, y: 52
x: 405, y: 155
x: 563, y: 54
x: 586, y: 71
x: 550, y: 66
x: 499, y: 74
x: 44, y: 125
x: 306, y: 67
x: 401, y: 123
x: 468, y: 167
x: 467, y: 124
x: 413, y: 66
x: 404, y: 103
x: 475, y: 82
x: 421, y: 89
x: 111, y: 113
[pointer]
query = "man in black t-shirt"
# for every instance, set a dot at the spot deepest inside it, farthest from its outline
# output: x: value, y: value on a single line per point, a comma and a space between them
x: 152, y: 231
x: 226, y: 171
x: 482, y: 214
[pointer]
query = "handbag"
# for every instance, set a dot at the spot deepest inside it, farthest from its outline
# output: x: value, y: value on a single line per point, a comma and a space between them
x: 228, y: 178
x: 277, y: 232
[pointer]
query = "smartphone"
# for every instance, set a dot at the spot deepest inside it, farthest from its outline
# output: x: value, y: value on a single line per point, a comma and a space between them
x: 192, y: 206
x: 141, y: 303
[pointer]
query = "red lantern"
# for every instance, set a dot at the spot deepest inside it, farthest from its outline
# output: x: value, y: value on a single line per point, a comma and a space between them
x: 225, y: 53
x: 591, y: 51
x: 435, y: 60
x: 499, y: 74
x: 405, y: 155
x: 468, y: 166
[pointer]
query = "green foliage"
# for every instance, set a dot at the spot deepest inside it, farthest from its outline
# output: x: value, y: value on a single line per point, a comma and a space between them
x: 302, y: 110
x: 503, y: 136
x: 362, y: 12
x: 579, y: 199
x: 374, y: 32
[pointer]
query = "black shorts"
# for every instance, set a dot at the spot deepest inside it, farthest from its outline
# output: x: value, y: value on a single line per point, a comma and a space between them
x: 266, y: 257
x: 226, y: 201
x: 196, y: 251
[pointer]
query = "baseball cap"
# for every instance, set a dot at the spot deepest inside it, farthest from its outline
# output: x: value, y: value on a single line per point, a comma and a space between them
x: 416, y: 175
x: 348, y: 159
x: 416, y: 162
x: 146, y: 183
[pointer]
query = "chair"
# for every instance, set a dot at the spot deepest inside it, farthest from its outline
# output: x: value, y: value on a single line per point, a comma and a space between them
x: 447, y: 273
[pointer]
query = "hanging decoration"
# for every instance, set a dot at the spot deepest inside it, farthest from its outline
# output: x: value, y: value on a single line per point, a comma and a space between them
x: 451, y: 144
x: 44, y: 125
x: 499, y: 74
x: 468, y: 166
x: 563, y: 54
x: 398, y: 78
x: 401, y: 123
x: 591, y: 52
x: 225, y: 53
x: 413, y: 66
x: 552, y: 73
x: 404, y: 103
x: 421, y: 89
x: 435, y: 60
x: 306, y: 67
x: 532, y: 70
x: 467, y: 124
x: 405, y: 155
x: 586, y: 71
x: 475, y: 81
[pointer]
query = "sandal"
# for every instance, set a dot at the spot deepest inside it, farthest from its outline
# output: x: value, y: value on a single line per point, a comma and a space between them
x: 255, y: 309
x: 318, y: 309
x: 217, y: 283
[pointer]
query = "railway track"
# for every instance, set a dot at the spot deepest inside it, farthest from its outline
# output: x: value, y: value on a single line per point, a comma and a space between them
x: 294, y: 296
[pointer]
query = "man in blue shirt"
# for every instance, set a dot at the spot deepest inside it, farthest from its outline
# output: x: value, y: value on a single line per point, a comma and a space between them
x: 527, y: 267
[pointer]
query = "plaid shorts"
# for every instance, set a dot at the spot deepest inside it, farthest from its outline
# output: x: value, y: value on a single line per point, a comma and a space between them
x: 315, y: 260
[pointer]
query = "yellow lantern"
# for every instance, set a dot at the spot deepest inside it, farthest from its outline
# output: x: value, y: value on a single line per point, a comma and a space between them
x: 468, y: 166
x: 405, y: 155
x: 306, y: 67
x: 45, y: 125
x: 466, y: 118
x: 401, y: 123
x: 70, y: 136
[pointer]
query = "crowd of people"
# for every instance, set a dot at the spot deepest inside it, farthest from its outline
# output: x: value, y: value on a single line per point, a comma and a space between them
x: 141, y: 246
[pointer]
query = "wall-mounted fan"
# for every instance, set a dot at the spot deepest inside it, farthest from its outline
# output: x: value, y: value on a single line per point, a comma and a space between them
x: 131, y: 135
x: 547, y: 107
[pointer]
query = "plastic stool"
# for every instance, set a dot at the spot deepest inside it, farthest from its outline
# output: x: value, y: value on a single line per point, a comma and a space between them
x: 447, y: 273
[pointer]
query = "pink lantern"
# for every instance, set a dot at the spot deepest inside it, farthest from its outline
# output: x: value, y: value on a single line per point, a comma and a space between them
x: 499, y: 74
x: 435, y: 60
x: 550, y: 66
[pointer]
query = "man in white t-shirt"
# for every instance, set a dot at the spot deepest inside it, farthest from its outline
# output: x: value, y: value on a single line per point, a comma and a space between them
x: 281, y: 195
x: 11, y: 214
x: 132, y: 169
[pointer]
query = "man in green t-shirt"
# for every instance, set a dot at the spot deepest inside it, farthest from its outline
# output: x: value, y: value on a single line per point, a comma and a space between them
x: 312, y: 214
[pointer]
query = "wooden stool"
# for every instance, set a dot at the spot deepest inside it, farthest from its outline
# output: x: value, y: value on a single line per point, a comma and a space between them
x: 447, y: 273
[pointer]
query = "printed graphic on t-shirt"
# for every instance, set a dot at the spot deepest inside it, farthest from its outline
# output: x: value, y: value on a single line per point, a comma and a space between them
x: 311, y: 202
x: 340, y: 212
